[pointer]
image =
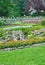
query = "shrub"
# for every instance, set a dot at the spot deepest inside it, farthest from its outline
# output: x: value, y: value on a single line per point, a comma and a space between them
x: 43, y: 22
x: 30, y: 36
x: 41, y: 39
x: 2, y: 23
x: 18, y: 43
x: 43, y: 34
x: 1, y: 32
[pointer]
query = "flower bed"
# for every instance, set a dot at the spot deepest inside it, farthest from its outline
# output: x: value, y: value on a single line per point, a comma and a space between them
x: 19, y: 43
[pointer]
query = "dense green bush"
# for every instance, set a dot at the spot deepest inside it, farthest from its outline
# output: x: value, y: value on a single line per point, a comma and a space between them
x: 43, y: 34
x: 1, y: 32
x: 43, y: 22
x: 31, y: 36
x: 2, y: 23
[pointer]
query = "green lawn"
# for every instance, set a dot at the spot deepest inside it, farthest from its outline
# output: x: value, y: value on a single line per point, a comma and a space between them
x: 27, y: 56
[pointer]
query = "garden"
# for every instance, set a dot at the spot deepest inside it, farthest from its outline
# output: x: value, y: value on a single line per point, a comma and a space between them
x: 24, y: 32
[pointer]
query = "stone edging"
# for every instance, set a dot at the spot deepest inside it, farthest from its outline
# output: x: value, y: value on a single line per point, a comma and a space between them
x: 21, y: 47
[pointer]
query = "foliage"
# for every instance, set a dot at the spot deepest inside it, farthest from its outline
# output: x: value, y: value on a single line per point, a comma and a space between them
x: 1, y: 32
x: 43, y: 34
x: 21, y: 42
x: 2, y: 23
x: 43, y: 22
x: 12, y: 8
x: 31, y: 36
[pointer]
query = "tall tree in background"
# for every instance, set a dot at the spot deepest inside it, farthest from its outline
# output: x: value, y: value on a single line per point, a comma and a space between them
x: 4, y: 7
x: 12, y: 8
x: 22, y: 4
x: 18, y: 7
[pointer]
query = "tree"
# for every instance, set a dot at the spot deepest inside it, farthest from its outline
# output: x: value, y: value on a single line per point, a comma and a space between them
x: 12, y: 8
x: 4, y: 4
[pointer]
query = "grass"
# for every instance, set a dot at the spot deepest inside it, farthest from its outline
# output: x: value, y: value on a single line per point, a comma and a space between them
x: 27, y: 56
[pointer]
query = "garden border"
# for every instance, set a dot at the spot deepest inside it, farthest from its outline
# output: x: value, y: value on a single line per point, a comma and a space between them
x: 22, y: 47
